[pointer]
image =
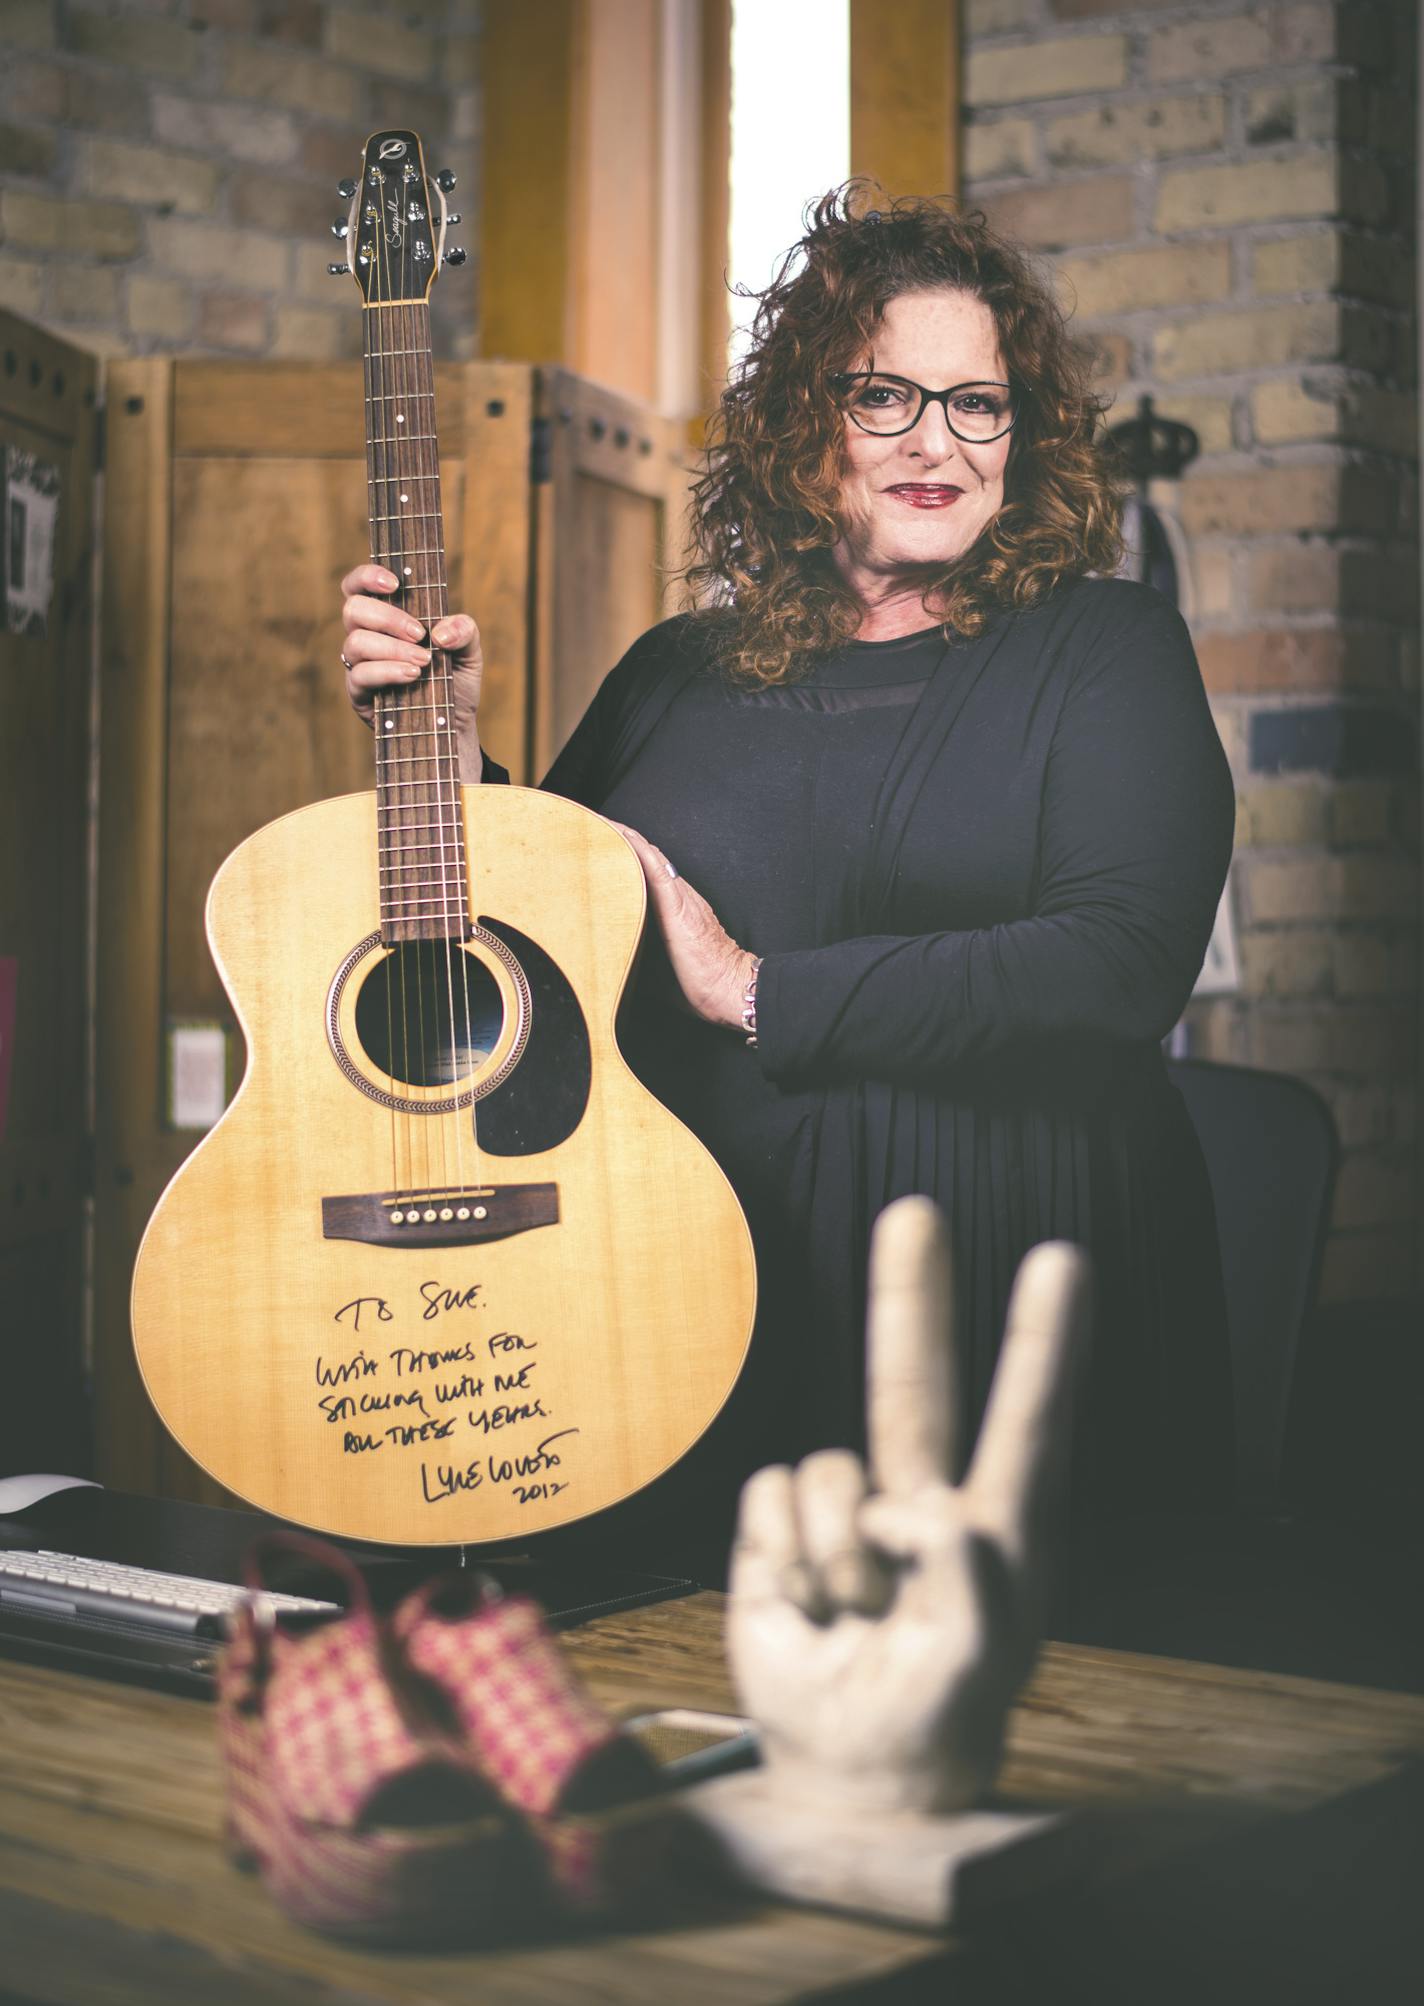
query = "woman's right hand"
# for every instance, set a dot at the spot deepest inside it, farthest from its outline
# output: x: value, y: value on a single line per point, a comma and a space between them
x: 386, y: 647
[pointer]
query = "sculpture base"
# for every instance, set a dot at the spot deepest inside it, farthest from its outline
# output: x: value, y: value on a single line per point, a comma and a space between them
x: 930, y: 1872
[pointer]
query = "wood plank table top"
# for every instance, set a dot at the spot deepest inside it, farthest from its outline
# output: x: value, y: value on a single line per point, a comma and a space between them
x: 114, y: 1888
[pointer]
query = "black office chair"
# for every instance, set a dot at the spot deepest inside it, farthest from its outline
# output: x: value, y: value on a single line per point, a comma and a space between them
x: 1250, y: 1586
x: 1271, y: 1154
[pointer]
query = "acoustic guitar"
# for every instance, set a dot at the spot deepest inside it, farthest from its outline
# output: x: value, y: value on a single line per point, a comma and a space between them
x: 445, y: 1271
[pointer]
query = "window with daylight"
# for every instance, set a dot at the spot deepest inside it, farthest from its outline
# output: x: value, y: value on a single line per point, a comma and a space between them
x: 790, y: 131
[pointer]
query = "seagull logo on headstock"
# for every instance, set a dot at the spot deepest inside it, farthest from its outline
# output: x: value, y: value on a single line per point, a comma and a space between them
x: 391, y: 149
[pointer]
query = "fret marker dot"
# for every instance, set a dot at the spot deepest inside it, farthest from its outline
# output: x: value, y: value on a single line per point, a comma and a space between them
x: 390, y: 724
x: 407, y: 570
x: 440, y: 720
x: 400, y: 417
x: 405, y: 497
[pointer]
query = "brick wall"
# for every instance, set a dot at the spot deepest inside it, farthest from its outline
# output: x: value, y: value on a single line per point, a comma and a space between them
x: 1228, y: 197
x: 168, y: 167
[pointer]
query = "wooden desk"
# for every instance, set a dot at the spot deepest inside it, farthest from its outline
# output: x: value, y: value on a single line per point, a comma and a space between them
x: 113, y: 1886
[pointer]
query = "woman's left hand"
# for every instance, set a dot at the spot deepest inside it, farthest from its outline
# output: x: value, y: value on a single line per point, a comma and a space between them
x: 712, y: 971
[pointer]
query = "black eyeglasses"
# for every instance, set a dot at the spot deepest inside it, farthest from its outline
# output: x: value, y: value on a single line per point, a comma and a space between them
x: 978, y: 413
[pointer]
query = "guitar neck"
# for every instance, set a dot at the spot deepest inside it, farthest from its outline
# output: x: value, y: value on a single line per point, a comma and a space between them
x: 419, y: 817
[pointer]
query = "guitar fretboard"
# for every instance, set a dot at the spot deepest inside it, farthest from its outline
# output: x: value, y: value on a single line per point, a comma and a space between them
x: 420, y: 825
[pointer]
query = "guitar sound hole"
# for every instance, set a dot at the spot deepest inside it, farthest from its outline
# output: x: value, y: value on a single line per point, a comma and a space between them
x: 428, y: 1013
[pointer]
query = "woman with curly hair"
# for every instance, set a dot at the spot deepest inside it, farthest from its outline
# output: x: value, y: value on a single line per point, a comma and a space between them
x: 934, y: 821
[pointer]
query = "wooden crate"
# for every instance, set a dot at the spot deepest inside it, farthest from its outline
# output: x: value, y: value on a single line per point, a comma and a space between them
x: 236, y: 501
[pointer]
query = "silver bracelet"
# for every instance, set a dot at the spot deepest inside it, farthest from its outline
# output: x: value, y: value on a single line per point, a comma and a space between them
x: 749, y: 1001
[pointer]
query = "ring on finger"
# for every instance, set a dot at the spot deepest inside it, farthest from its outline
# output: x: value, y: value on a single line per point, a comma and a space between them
x: 346, y: 664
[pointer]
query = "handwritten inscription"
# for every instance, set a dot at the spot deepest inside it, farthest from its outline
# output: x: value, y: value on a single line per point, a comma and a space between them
x: 341, y: 1406
x: 359, y: 1367
x: 437, y: 1300
x: 406, y: 1360
x: 406, y: 1396
x: 353, y: 1309
x: 542, y: 1459
x: 509, y: 1340
x: 446, y: 1481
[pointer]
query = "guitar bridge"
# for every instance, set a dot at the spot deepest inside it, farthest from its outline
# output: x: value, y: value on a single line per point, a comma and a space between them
x: 440, y: 1218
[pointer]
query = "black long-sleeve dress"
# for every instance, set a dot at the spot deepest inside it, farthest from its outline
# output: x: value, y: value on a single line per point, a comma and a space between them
x: 981, y: 877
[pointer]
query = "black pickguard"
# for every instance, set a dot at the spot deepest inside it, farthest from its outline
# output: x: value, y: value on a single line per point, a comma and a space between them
x: 543, y: 1100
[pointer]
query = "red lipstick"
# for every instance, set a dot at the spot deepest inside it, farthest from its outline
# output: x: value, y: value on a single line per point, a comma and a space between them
x: 925, y: 494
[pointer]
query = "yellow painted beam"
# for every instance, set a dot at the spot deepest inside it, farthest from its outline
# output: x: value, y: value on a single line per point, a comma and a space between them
x: 530, y: 57
x: 904, y: 94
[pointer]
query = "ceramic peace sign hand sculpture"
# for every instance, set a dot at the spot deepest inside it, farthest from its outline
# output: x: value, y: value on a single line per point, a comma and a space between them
x: 881, y: 1620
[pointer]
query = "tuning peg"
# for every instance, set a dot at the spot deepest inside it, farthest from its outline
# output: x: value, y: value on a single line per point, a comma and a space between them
x: 340, y: 227
x: 455, y: 256
x: 338, y: 271
x: 445, y: 181
x: 453, y: 216
x: 347, y: 188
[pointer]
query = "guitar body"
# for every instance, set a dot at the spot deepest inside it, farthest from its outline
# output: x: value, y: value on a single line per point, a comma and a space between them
x: 422, y: 1290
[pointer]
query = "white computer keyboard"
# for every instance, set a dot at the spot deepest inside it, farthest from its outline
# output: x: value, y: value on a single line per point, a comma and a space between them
x: 64, y: 1584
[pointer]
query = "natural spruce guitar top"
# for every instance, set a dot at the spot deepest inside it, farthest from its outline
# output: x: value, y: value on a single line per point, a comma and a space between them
x: 445, y: 1271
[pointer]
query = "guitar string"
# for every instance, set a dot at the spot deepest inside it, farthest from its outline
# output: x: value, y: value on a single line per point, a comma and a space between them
x: 454, y: 877
x: 462, y: 862
x: 454, y: 863
x: 412, y: 394
x: 398, y: 712
x: 398, y: 704
x: 417, y: 398
x: 411, y: 369
x: 379, y: 707
x: 412, y: 903
x: 402, y: 444
x: 432, y: 589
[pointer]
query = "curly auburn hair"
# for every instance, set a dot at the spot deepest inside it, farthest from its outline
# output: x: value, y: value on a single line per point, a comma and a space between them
x: 766, y: 512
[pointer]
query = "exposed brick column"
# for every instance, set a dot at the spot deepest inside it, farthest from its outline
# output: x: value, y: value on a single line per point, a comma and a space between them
x: 167, y: 178
x: 1229, y: 198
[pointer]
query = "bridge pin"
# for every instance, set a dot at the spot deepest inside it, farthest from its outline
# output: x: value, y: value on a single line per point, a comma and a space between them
x: 481, y: 1212
x: 446, y: 1213
x: 462, y: 1211
x: 430, y: 1217
x: 397, y: 1218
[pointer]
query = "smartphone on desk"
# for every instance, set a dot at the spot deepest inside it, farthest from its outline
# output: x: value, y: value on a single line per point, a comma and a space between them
x: 690, y: 1746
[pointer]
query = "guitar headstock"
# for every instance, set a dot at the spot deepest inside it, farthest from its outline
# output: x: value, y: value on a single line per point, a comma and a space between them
x: 394, y: 231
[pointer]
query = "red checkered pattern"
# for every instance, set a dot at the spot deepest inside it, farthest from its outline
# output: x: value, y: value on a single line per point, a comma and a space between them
x: 530, y: 1726
x: 315, y: 1728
